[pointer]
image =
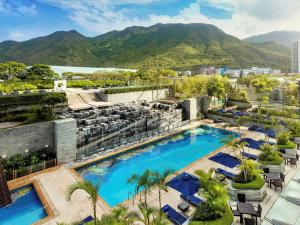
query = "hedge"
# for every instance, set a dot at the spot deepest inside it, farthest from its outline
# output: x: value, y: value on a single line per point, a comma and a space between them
x: 290, y: 145
x: 227, y: 219
x: 256, y: 184
x: 134, y: 89
x: 29, y: 99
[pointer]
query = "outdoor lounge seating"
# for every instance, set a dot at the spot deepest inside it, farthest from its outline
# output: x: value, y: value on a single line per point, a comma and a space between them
x: 173, y: 215
x: 227, y: 174
x: 252, y: 143
x: 192, y: 199
x: 86, y: 220
x: 249, y: 155
x: 226, y: 160
x: 269, y: 132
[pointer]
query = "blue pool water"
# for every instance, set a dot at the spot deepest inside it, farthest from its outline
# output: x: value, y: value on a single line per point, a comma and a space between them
x: 174, y: 153
x: 25, y: 209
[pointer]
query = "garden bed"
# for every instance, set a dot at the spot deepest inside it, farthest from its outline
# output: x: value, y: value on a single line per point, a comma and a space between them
x: 227, y: 219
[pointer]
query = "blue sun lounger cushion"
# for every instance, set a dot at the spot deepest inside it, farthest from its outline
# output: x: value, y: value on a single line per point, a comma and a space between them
x: 227, y: 174
x: 173, y: 215
x: 192, y: 199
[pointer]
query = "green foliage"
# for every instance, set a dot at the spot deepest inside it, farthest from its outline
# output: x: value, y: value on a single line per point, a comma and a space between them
x: 257, y: 183
x: 162, y: 45
x: 30, y: 99
x: 11, y: 70
x: 227, y: 219
x: 215, y: 194
x: 283, y: 138
x: 269, y: 156
x: 40, y: 72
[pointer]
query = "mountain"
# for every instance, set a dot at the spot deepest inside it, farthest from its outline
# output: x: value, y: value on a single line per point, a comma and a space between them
x: 280, y: 37
x: 169, y: 45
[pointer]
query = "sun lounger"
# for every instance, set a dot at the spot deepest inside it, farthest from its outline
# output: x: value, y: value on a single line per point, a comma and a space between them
x: 227, y: 174
x: 192, y: 199
x: 86, y: 220
x: 249, y: 156
x: 173, y: 215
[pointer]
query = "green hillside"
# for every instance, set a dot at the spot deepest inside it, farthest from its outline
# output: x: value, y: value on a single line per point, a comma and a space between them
x: 168, y: 45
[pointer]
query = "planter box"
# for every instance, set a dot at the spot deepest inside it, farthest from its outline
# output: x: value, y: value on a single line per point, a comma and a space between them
x: 274, y: 168
x: 251, y: 194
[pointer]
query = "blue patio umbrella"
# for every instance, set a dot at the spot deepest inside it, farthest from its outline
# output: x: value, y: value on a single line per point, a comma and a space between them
x: 185, y: 183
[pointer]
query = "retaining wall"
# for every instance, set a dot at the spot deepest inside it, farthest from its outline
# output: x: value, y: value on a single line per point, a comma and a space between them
x: 135, y: 96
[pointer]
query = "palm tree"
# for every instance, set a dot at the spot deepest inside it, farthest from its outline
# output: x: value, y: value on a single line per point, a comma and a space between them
x: 160, y: 182
x: 144, y: 181
x: 90, y: 189
x: 213, y: 191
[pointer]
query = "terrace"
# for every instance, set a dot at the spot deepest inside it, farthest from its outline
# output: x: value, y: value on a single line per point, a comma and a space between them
x: 79, y: 207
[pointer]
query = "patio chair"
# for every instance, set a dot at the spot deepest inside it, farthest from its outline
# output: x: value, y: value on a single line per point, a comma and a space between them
x: 258, y: 211
x: 241, y: 197
x: 249, y: 221
x: 173, y: 215
x: 192, y: 199
x: 282, y: 176
x: 277, y: 184
x: 293, y: 162
x: 235, y: 211
x: 86, y: 220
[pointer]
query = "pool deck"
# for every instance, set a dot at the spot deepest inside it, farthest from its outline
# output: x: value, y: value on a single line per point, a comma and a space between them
x: 52, y: 184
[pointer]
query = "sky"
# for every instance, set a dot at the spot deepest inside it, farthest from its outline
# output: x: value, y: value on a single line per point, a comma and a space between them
x: 25, y: 19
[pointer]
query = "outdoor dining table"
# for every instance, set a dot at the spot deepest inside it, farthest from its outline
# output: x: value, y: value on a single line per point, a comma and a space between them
x: 246, y: 208
x: 272, y: 177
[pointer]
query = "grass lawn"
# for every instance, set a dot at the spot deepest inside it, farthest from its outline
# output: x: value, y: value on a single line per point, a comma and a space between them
x: 227, y: 219
x: 258, y: 183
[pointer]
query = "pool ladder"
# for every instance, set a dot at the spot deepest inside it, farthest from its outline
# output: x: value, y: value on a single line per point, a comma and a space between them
x: 128, y: 197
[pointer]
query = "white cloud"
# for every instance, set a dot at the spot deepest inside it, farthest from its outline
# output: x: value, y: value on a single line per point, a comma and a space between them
x: 18, y: 7
x: 249, y: 17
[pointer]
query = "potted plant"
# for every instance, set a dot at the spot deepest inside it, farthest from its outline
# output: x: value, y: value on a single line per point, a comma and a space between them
x: 270, y: 158
x: 284, y: 143
x: 249, y: 182
x: 295, y: 130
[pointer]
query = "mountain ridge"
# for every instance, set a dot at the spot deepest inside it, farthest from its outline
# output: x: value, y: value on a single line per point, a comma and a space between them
x: 165, y: 45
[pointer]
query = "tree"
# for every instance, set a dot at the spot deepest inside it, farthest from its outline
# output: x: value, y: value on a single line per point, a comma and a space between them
x: 10, y: 70
x: 215, y: 194
x: 160, y: 182
x: 90, y: 189
x: 41, y: 72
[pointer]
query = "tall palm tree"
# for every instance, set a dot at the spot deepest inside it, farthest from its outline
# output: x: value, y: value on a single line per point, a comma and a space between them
x: 144, y: 181
x: 160, y: 182
x: 90, y: 189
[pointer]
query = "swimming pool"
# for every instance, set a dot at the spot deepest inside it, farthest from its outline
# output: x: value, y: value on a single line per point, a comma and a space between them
x: 25, y: 209
x: 175, y: 152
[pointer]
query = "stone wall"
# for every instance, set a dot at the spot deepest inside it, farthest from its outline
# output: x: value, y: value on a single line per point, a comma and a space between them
x: 65, y: 140
x: 59, y: 136
x: 32, y: 137
x: 135, y: 96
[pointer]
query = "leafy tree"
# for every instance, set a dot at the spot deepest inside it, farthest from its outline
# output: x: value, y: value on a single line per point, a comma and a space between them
x: 90, y: 189
x: 215, y: 194
x: 10, y: 70
x: 41, y: 72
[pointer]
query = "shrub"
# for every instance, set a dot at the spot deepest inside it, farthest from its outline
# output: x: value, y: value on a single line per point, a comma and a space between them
x: 257, y: 183
x: 269, y: 156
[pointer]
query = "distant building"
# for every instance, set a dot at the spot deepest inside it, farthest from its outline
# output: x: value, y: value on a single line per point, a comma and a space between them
x: 295, y: 57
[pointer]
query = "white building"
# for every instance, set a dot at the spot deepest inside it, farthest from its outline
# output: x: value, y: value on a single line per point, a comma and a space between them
x: 295, y: 57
